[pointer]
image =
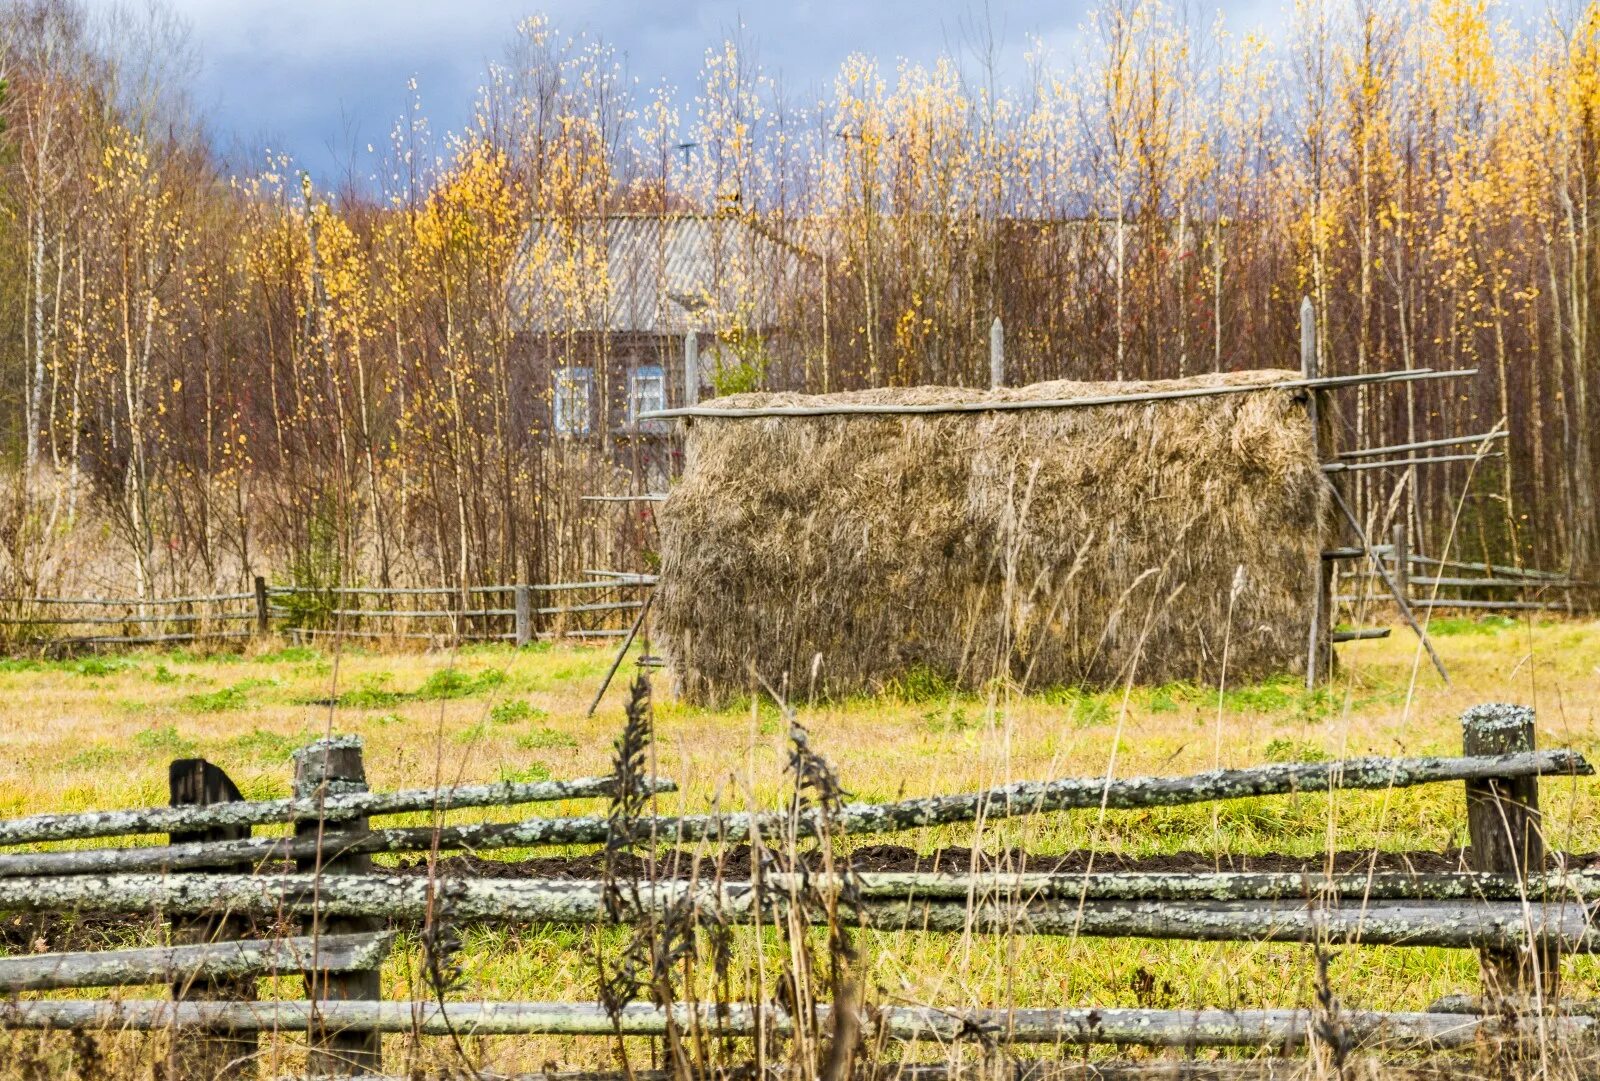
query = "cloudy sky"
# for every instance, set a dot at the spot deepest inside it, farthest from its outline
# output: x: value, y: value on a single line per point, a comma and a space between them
x: 324, y: 78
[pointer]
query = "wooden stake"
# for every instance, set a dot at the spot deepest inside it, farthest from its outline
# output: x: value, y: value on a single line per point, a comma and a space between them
x: 207, y: 1055
x: 1320, y: 605
x: 334, y: 767
x: 1402, y: 559
x: 1503, y: 823
x: 997, y: 354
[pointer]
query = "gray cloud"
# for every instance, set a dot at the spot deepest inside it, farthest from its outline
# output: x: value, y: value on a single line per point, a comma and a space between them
x: 321, y: 79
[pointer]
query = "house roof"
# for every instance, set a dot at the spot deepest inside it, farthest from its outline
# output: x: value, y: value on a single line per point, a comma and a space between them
x: 656, y: 274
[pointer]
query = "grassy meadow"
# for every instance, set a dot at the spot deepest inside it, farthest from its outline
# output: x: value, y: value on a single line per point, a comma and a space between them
x: 98, y: 732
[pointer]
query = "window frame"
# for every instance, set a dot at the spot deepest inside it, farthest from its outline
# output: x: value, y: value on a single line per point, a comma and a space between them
x: 570, y: 385
x: 636, y: 377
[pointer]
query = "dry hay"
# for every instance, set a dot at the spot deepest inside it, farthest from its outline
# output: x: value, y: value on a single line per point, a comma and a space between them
x: 1075, y: 547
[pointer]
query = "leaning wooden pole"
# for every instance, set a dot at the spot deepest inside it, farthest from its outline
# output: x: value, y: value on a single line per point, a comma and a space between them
x: 616, y: 662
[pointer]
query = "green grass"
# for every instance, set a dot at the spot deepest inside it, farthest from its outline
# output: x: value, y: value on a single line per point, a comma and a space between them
x: 1454, y: 626
x: 232, y: 697
x: 515, y: 711
x: 164, y: 739
x: 105, y: 741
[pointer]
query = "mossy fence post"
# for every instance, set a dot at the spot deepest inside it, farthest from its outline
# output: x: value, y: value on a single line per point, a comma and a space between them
x: 207, y: 1055
x: 1505, y: 829
x: 334, y: 767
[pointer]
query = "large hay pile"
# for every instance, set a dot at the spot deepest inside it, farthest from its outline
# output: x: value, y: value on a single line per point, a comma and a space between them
x: 1081, y: 546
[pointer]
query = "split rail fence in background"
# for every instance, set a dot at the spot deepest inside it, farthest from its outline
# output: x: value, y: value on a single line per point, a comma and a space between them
x: 1445, y: 585
x: 601, y: 607
x: 1514, y: 904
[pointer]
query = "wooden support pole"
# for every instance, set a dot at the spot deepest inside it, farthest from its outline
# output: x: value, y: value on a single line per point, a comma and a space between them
x: 691, y: 369
x: 997, y: 354
x: 263, y: 607
x: 524, y: 616
x: 333, y: 767
x: 616, y: 662
x: 1401, y: 555
x: 208, y: 1055
x: 1504, y: 825
x: 1319, y: 645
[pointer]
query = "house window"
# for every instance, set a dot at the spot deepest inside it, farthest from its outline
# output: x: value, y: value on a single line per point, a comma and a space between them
x: 647, y: 391
x: 573, y: 411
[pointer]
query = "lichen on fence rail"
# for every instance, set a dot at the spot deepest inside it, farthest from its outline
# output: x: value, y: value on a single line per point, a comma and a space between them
x: 1274, y: 1029
x: 63, y: 827
x: 1455, y: 924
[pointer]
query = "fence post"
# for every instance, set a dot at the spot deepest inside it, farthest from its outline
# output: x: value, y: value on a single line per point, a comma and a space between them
x: 1504, y: 826
x: 262, y: 611
x: 205, y: 1056
x: 524, y: 606
x: 1402, y: 560
x: 332, y: 767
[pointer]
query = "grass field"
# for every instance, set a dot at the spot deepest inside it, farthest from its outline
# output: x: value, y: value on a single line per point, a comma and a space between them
x: 99, y: 732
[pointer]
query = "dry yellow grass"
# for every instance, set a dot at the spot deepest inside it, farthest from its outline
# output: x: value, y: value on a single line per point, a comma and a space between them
x: 100, y: 733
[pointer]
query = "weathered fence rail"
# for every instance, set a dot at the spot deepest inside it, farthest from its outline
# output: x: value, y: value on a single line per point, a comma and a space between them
x: 1513, y: 904
x: 519, y: 613
x: 1429, y: 583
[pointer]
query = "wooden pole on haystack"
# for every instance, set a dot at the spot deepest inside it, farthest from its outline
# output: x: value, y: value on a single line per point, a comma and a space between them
x: 691, y: 369
x: 997, y: 354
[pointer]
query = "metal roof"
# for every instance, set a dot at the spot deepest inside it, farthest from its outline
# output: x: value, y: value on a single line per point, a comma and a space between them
x: 656, y: 274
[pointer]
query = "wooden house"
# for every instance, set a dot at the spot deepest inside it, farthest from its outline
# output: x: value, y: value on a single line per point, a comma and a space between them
x: 608, y: 309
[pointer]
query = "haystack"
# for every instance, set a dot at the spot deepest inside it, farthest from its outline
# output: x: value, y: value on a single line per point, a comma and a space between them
x: 1085, y: 546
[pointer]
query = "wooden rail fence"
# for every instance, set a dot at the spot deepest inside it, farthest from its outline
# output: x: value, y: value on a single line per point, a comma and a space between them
x: 1515, y: 906
x: 522, y: 613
